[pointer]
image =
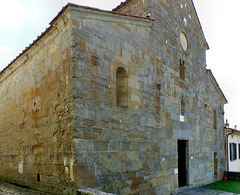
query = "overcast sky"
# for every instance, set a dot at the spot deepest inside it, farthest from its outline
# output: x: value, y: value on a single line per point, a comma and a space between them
x: 23, y: 20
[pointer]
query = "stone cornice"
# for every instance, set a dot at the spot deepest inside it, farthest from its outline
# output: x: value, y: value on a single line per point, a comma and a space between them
x: 108, y: 16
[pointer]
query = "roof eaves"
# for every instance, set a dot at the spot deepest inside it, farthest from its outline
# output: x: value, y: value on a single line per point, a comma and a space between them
x: 38, y: 38
x: 55, y: 19
x: 216, y: 85
x: 200, y: 24
x: 121, y: 5
x: 235, y: 130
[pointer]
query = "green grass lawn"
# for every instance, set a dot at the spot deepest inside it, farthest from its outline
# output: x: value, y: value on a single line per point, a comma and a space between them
x: 227, y: 186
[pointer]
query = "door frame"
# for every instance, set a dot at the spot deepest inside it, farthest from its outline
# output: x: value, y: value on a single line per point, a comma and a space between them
x: 183, y: 162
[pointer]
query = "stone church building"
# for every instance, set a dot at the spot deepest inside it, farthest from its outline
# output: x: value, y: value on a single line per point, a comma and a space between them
x: 119, y: 101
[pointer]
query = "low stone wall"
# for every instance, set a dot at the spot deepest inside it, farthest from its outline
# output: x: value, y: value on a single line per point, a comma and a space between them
x: 232, y: 175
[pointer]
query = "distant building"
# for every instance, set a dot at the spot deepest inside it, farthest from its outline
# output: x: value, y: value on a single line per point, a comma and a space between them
x: 233, y: 149
x: 117, y: 101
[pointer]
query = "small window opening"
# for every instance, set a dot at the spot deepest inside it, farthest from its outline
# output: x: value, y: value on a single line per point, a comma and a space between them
x: 233, y: 151
x: 183, y: 106
x: 158, y: 96
x: 215, y: 119
x: 38, y: 177
x: 122, y: 87
x: 239, y: 151
x: 158, y: 90
x: 215, y: 164
x: 182, y: 69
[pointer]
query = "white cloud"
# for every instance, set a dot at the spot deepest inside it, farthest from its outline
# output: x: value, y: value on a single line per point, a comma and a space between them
x: 12, y: 14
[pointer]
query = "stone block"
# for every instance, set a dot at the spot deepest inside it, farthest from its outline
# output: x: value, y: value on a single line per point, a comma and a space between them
x: 41, y: 66
x: 125, y: 27
x: 97, y: 130
x: 90, y: 136
x: 55, y: 56
x: 134, y: 146
x: 125, y: 146
x: 107, y: 131
x: 100, y: 145
x: 114, y: 146
x: 156, y: 166
x: 141, y: 173
x: 83, y: 145
x: 143, y: 147
x: 132, y: 155
x: 92, y: 157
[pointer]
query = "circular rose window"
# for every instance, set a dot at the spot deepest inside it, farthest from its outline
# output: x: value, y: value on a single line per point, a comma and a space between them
x: 184, y: 41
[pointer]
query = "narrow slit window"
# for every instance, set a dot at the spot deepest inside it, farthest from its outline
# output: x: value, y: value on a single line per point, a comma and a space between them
x: 158, y: 96
x: 158, y: 90
x: 182, y: 69
x: 122, y: 87
x: 182, y: 106
x: 215, y: 164
x: 215, y: 119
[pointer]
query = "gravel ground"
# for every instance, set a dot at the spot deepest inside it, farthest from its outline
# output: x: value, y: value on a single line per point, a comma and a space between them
x: 6, y: 188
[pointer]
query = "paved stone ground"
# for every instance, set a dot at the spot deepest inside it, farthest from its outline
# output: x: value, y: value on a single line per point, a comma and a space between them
x: 199, y: 191
x: 93, y: 191
x: 6, y: 188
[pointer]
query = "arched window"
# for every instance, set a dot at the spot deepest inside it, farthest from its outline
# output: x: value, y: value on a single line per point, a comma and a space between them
x: 122, y: 87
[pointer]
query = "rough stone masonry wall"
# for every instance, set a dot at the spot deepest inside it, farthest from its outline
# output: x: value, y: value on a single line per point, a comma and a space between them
x: 201, y: 97
x: 36, y: 118
x: 134, y: 150
x: 136, y: 7
x: 115, y: 151
x: 45, y: 103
